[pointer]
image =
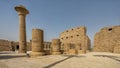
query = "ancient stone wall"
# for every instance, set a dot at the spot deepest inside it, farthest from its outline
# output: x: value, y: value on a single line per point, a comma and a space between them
x: 5, y: 45
x: 107, y: 40
x: 75, y: 36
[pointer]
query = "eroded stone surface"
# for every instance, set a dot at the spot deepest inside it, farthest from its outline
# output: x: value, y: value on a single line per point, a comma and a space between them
x: 55, y: 46
x: 108, y: 40
x: 37, y: 43
x: 75, y: 40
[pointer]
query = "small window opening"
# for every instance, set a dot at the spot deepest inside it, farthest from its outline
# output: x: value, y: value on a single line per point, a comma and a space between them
x: 77, y: 35
x: 109, y: 29
x: 71, y: 36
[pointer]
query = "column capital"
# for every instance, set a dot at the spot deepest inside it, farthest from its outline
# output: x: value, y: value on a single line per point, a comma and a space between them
x: 21, y: 10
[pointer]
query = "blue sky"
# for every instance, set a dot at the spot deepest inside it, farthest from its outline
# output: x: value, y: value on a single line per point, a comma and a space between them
x: 55, y: 16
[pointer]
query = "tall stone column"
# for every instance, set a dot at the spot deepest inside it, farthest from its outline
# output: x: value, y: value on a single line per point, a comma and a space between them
x: 22, y: 12
x: 37, y: 43
x: 55, y: 46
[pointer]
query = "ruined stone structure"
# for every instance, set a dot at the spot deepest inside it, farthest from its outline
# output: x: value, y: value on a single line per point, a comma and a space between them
x: 55, y: 45
x: 47, y: 45
x: 72, y: 41
x: 75, y: 41
x: 6, y: 45
x: 37, y: 42
x: 22, y: 12
x: 47, y: 48
x: 108, y: 40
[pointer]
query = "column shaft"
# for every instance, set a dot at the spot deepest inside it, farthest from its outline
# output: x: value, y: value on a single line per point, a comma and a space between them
x: 22, y: 34
x: 37, y: 43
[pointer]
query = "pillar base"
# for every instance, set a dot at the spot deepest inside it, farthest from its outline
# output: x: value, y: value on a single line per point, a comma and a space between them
x: 56, y: 53
x: 36, y: 54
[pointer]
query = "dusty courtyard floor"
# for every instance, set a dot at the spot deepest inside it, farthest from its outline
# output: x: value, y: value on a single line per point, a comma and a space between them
x: 89, y: 60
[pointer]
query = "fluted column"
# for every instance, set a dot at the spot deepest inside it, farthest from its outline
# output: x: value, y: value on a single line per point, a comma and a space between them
x: 22, y: 12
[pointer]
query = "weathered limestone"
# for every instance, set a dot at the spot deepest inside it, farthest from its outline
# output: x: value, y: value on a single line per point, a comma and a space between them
x: 22, y: 12
x: 73, y: 37
x: 37, y: 43
x: 71, y: 50
x: 5, y: 45
x: 80, y: 49
x: 108, y: 40
x: 55, y: 46
x: 66, y: 48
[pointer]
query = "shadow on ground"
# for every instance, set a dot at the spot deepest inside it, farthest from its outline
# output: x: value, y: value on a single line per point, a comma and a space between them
x: 2, y: 57
x: 109, y: 56
x: 68, y: 57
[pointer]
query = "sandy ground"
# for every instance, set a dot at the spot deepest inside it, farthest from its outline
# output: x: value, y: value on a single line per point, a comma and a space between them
x: 89, y: 60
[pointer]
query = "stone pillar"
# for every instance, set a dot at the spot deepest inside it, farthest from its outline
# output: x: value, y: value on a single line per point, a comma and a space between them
x: 55, y: 46
x: 37, y: 43
x: 22, y: 12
